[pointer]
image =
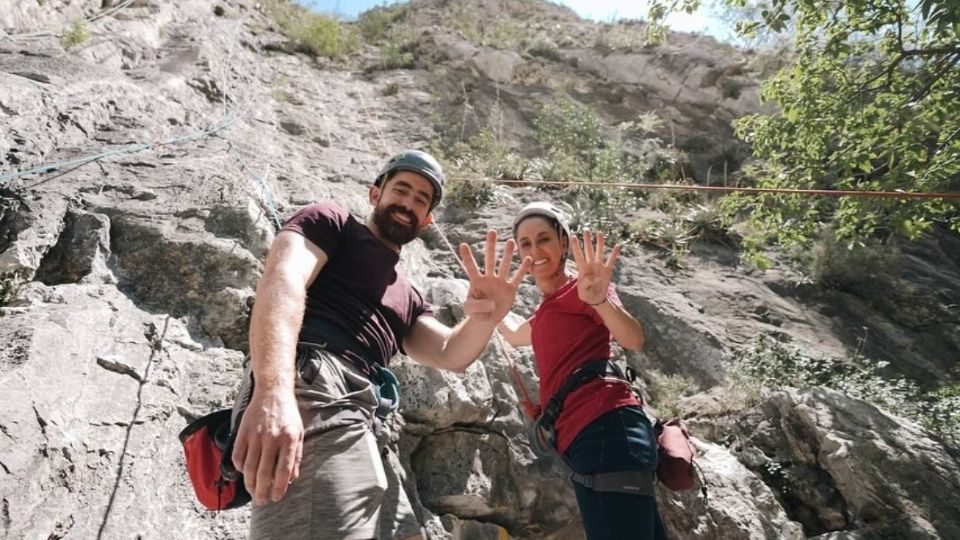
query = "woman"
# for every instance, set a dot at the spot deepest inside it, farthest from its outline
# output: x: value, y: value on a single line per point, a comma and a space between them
x: 601, y: 428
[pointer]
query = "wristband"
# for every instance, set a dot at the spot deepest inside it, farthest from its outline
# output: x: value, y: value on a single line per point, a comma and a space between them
x: 598, y: 303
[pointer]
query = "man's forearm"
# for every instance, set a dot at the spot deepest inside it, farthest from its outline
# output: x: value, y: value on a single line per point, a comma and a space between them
x: 274, y: 328
x: 466, y: 343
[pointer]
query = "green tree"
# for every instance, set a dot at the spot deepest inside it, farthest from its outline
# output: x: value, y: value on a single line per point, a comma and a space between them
x: 869, y: 101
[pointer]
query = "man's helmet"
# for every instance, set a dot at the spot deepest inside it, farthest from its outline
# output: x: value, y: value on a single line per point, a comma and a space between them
x: 419, y: 162
x: 547, y: 210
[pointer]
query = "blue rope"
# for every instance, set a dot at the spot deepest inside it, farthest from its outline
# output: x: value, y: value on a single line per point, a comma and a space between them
x: 266, y: 194
x: 35, y: 35
x: 49, y: 167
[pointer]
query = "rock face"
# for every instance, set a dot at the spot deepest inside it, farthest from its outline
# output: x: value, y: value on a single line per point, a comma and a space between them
x: 97, y: 391
x: 737, y: 504
x: 126, y: 281
x: 695, y: 85
x: 841, y: 464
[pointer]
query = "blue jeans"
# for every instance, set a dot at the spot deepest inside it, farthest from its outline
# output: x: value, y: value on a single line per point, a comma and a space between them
x: 620, y: 440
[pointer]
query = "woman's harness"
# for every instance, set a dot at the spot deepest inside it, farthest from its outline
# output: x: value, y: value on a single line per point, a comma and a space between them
x: 544, y: 433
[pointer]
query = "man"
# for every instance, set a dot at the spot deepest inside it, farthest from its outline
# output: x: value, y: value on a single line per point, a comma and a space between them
x: 331, y: 310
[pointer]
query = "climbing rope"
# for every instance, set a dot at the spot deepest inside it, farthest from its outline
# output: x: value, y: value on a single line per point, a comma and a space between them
x: 43, y: 34
x: 265, y: 193
x: 156, y: 349
x: 131, y: 149
x: 260, y: 181
x: 530, y: 409
x: 948, y: 195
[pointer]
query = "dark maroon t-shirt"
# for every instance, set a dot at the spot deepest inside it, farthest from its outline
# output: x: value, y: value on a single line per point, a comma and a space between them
x: 359, y: 304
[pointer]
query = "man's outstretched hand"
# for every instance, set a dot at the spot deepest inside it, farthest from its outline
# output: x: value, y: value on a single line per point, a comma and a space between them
x: 491, y: 293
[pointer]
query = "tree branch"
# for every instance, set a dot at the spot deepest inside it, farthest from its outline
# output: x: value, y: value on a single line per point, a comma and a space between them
x: 935, y: 51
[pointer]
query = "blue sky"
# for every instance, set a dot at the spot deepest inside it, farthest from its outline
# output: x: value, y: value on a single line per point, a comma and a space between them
x: 598, y: 10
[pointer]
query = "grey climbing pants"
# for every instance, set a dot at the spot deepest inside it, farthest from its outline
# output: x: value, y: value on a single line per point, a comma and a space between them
x: 348, y: 488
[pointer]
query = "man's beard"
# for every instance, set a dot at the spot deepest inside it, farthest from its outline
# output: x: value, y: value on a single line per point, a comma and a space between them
x: 395, y: 231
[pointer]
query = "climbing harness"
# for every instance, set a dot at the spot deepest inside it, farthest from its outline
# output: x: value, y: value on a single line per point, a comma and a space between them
x: 545, y: 441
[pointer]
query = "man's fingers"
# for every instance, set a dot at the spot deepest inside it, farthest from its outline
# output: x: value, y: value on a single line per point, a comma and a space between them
x: 239, y: 454
x: 469, y: 262
x: 507, y: 259
x: 299, y: 459
x: 490, y: 257
x: 250, y: 464
x: 600, y: 247
x: 521, y: 272
x: 283, y: 474
x: 265, y: 472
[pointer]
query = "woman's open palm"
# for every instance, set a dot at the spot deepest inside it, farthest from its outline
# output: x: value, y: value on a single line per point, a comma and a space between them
x: 593, y: 273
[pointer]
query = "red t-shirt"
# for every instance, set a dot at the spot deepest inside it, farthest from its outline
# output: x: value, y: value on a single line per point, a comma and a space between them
x: 566, y: 333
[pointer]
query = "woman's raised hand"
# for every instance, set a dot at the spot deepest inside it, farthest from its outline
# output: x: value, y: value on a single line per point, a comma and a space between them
x: 593, y: 273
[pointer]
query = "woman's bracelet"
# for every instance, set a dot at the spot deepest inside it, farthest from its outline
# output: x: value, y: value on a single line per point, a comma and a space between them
x: 598, y: 303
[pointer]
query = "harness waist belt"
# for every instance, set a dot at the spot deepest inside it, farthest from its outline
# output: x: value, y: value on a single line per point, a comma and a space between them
x: 544, y: 435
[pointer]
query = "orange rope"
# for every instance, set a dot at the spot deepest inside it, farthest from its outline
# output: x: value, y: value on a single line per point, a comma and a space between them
x: 950, y: 195
x: 529, y: 408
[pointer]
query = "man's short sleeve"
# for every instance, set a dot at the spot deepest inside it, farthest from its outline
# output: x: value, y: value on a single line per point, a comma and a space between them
x: 321, y: 223
x: 424, y: 309
x: 421, y: 308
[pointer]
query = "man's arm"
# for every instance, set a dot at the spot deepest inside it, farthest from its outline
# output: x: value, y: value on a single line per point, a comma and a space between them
x: 270, y: 437
x: 435, y: 344
x: 489, y: 299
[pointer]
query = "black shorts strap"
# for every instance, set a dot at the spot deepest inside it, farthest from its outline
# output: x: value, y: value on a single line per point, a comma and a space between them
x: 589, y: 370
x: 633, y: 482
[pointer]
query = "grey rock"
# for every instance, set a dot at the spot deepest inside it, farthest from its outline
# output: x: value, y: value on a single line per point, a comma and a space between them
x: 840, y: 463
x: 81, y: 251
x: 738, y: 504
x: 32, y: 223
x: 83, y: 439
